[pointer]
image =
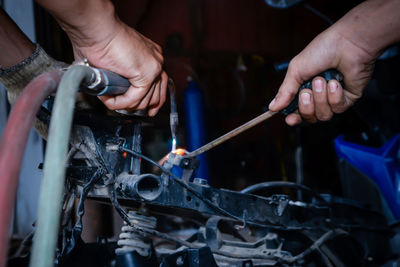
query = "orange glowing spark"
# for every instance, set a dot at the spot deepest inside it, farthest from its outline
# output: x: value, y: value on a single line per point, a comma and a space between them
x: 179, y: 151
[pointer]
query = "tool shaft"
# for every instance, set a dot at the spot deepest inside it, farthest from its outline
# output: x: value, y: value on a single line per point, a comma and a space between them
x: 232, y: 133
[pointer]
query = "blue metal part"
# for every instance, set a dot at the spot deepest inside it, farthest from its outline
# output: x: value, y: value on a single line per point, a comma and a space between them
x: 195, y: 125
x: 381, y: 165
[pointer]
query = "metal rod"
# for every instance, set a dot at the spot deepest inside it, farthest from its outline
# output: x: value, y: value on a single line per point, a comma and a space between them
x: 136, y: 146
x: 232, y: 133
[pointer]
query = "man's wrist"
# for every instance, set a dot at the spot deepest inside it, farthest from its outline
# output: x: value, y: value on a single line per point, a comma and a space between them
x: 373, y: 25
x: 86, y: 22
x: 98, y: 27
x: 17, y: 46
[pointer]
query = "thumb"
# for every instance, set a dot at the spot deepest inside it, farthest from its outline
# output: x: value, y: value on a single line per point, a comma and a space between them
x: 287, y: 90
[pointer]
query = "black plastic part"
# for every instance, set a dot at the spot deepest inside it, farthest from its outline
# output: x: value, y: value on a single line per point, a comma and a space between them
x: 133, y: 259
x: 327, y: 75
x: 114, y: 84
x: 83, y: 254
x: 196, y: 257
x: 105, y: 82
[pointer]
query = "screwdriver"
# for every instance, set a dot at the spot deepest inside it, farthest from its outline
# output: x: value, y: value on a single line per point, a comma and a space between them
x: 292, y: 107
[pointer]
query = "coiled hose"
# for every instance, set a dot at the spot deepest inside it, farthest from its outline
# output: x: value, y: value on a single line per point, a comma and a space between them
x: 12, y: 146
x: 50, y: 199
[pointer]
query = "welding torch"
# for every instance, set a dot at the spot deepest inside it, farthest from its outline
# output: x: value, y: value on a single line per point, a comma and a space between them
x: 105, y: 82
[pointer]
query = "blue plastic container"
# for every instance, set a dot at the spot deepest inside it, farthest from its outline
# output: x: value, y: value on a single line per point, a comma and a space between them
x: 195, y: 125
x: 381, y: 165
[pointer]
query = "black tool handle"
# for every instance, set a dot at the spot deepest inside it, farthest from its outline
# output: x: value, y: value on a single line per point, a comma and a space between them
x: 328, y: 75
x: 114, y: 84
x: 105, y: 82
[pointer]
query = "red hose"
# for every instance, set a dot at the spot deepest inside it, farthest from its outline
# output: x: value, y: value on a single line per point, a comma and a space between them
x: 12, y: 146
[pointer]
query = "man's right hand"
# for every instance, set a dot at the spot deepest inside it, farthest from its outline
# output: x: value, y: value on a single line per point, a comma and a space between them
x: 351, y: 46
x: 96, y: 33
x: 134, y: 57
x: 329, y: 50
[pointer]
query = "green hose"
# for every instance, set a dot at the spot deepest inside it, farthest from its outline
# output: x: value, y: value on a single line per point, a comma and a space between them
x: 51, y: 193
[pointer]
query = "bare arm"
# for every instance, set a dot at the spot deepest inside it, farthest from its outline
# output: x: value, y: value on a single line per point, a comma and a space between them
x: 12, y: 40
x: 97, y: 34
x: 351, y: 46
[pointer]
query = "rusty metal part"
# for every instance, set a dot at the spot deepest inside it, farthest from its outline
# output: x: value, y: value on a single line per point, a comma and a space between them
x: 233, y: 133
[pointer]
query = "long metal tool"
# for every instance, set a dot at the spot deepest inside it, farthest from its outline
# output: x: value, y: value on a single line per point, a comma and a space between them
x: 292, y: 107
x: 233, y: 133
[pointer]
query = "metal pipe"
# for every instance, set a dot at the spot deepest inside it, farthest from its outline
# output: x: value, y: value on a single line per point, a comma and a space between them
x: 173, y: 115
x: 45, y: 239
x: 12, y: 146
x: 281, y: 184
x: 232, y: 133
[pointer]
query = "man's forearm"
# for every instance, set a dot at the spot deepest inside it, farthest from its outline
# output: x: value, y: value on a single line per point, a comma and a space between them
x: 372, y: 25
x: 84, y: 21
x: 15, y: 46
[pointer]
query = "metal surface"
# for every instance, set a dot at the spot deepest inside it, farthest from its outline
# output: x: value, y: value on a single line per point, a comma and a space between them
x: 232, y: 133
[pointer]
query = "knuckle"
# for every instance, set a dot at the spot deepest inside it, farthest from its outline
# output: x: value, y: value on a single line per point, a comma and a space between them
x: 324, y: 117
x: 154, y: 101
x: 292, y: 68
x: 143, y: 105
x: 156, y: 67
x: 338, y: 109
x: 110, y: 106
x: 158, y: 47
x: 335, y: 102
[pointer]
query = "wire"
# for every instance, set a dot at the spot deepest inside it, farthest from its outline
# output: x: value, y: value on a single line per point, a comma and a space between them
x: 23, y: 245
x: 277, y: 184
x: 317, y: 244
x: 81, y: 207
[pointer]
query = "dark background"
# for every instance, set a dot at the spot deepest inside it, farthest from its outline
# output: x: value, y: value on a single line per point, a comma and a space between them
x: 205, y: 39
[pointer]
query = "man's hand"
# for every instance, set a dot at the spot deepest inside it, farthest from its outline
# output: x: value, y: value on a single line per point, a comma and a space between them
x: 351, y: 46
x: 329, y: 50
x: 135, y: 57
x: 97, y: 34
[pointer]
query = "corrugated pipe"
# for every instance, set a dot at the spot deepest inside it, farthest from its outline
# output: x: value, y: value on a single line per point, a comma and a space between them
x: 12, y: 146
x: 45, y: 239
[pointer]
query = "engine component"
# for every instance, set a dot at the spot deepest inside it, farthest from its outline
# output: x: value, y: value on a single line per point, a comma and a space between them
x: 130, y: 240
x: 200, y: 225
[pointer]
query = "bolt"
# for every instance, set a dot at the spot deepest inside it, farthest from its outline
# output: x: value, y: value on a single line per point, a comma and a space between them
x: 200, y: 181
x: 185, y: 162
x: 179, y: 261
